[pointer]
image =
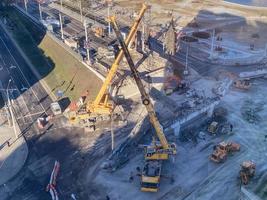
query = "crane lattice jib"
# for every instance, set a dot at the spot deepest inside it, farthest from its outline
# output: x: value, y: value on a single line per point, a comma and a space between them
x: 116, y: 63
x: 145, y: 97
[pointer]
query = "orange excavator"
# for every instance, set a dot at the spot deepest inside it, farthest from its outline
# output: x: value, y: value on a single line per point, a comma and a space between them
x: 221, y: 151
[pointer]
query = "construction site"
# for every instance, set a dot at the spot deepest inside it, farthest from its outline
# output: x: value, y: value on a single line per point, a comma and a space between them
x: 136, y: 100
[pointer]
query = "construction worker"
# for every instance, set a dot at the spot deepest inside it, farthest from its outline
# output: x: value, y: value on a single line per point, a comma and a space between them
x: 231, y: 128
x: 131, y: 177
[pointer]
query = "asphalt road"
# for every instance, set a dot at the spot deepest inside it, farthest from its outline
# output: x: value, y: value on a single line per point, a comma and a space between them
x: 72, y: 147
x: 30, y: 99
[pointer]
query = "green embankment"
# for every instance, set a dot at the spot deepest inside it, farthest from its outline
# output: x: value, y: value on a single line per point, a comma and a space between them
x: 57, y: 67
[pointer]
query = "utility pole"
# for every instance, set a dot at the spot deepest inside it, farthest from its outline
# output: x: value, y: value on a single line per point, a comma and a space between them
x: 81, y: 11
x: 109, y: 27
x: 60, y: 19
x: 11, y: 111
x: 26, y: 6
x: 61, y: 26
x: 86, y: 39
x: 40, y: 10
x: 112, y: 132
x: 186, y: 62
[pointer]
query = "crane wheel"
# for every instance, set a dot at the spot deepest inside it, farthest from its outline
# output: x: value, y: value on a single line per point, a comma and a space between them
x: 146, y: 102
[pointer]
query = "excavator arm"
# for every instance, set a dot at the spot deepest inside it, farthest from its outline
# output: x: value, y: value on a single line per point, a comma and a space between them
x: 169, y: 149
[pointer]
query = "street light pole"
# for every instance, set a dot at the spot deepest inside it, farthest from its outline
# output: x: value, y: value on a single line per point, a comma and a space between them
x: 40, y: 11
x: 11, y: 111
x: 61, y: 26
x: 109, y: 27
x: 86, y: 39
x: 60, y: 19
x: 25, y: 4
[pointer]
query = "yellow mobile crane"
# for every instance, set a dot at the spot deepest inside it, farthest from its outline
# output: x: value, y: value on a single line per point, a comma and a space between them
x: 157, y: 151
x: 101, y: 105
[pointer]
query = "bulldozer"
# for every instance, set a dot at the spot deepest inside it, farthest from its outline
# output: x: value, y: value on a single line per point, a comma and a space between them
x: 221, y: 151
x: 247, y: 171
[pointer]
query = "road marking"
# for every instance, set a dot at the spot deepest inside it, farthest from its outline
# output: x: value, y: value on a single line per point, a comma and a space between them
x: 12, y: 67
x: 23, y: 100
x: 23, y: 75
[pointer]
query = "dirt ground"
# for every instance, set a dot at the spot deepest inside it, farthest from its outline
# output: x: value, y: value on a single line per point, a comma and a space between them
x: 196, y: 177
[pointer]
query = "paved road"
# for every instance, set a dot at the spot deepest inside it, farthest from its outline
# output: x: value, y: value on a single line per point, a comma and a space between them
x: 73, y: 147
x: 30, y: 99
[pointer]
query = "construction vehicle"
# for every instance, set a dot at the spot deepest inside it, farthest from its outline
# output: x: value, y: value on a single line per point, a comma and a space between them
x: 99, y: 31
x: 242, y: 84
x: 157, y: 151
x: 221, y: 151
x: 247, y: 171
x: 55, y: 108
x: 102, y: 106
x: 213, y: 127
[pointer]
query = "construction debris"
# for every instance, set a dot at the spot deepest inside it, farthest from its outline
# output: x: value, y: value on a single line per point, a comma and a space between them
x: 51, y: 187
x: 250, y: 111
x: 170, y: 39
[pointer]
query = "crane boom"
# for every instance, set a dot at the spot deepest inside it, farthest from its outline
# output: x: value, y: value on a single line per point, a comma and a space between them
x: 154, y: 153
x: 100, y: 104
x: 145, y: 97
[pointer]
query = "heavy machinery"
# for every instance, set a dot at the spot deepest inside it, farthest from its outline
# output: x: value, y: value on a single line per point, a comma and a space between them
x: 213, y: 127
x: 157, y: 151
x: 99, y: 31
x: 102, y: 106
x: 244, y: 84
x: 221, y: 151
x: 247, y: 171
